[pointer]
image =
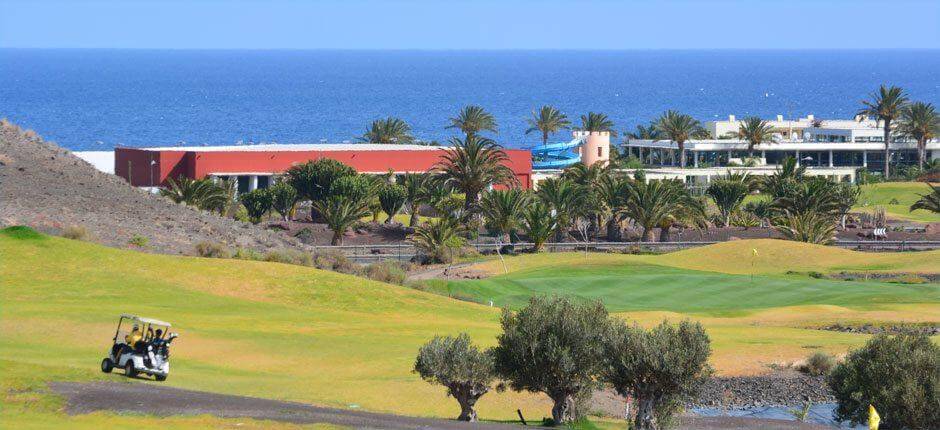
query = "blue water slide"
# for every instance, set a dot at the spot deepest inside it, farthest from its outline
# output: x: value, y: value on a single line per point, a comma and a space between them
x: 556, y: 155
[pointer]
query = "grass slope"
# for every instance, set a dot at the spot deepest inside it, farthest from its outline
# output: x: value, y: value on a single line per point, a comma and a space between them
x: 249, y: 328
x: 896, y: 198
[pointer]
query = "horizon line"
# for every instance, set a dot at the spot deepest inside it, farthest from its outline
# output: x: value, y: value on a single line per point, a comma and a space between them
x: 818, y: 49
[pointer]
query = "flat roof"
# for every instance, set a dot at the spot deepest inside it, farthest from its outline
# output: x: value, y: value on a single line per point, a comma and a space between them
x: 300, y: 147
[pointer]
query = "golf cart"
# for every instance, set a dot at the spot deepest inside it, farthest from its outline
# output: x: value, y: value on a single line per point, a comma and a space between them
x: 140, y: 345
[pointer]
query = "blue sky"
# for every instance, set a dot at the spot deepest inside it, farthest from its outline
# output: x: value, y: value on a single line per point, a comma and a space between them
x: 461, y: 24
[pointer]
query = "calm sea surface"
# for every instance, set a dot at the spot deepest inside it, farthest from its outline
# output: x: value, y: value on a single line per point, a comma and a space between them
x: 96, y: 99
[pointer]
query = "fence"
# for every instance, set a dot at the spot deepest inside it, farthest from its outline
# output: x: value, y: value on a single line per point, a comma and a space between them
x: 405, y: 251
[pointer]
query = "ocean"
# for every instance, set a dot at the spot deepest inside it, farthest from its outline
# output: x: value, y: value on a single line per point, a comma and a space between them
x: 96, y: 99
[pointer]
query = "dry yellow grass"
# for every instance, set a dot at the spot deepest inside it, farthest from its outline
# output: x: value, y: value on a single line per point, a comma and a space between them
x: 737, y: 257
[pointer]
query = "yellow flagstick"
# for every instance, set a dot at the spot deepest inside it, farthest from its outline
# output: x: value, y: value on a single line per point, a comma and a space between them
x: 753, y: 261
x: 874, y: 420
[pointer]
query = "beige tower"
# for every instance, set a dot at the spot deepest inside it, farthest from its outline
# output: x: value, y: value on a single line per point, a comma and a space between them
x: 596, y: 147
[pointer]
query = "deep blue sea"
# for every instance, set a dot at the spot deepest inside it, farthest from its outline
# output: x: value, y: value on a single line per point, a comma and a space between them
x: 96, y: 99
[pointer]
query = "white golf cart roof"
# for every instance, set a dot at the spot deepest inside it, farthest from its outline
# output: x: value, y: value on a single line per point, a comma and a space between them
x: 145, y: 320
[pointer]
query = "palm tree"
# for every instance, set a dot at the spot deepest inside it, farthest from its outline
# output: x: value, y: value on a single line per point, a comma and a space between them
x: 392, y: 198
x: 502, y: 210
x: 649, y: 204
x: 810, y: 227
x: 597, y: 122
x: 590, y: 179
x: 473, y: 165
x: 388, y: 130
x: 472, y: 120
x: 565, y: 199
x: 415, y: 185
x: 548, y: 121
x: 644, y: 132
x: 920, y: 121
x: 728, y: 195
x: 440, y: 239
x: 885, y: 106
x: 929, y: 202
x: 679, y: 128
x: 340, y: 212
x: 202, y: 193
x: 539, y: 224
x: 784, y: 179
x: 755, y: 131
x: 817, y: 194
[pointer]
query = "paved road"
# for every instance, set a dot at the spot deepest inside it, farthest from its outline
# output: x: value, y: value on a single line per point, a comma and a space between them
x: 158, y: 400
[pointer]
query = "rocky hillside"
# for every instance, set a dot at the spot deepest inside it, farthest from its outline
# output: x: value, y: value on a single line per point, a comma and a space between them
x: 48, y: 188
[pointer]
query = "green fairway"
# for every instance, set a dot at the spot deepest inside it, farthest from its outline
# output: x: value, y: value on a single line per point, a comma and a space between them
x: 637, y: 286
x: 896, y: 198
x: 296, y: 333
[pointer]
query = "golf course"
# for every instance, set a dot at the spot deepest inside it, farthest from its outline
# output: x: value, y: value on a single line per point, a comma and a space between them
x: 296, y: 333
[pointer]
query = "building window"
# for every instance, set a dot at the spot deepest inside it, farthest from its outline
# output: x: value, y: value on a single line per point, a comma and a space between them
x: 600, y: 151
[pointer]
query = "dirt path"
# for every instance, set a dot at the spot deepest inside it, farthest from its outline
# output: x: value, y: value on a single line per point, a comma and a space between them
x: 165, y: 401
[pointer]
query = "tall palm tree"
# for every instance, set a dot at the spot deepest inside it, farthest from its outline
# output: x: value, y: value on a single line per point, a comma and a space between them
x: 590, y: 179
x: 565, y: 199
x: 920, y: 121
x: 644, y: 132
x: 596, y: 122
x: 885, y: 106
x: 547, y: 121
x: 472, y: 119
x: 415, y: 185
x: 388, y: 130
x: 502, y: 210
x: 755, y: 131
x: 651, y: 203
x: 538, y: 223
x: 473, y: 165
x: 679, y: 128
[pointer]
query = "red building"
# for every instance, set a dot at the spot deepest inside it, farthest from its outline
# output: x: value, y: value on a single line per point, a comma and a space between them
x: 255, y: 166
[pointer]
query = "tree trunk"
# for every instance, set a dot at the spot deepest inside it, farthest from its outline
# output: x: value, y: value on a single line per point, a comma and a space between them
x: 613, y: 230
x: 664, y: 233
x: 563, y: 409
x: 921, y: 153
x: 467, y: 412
x: 413, y: 221
x: 681, y: 154
x: 337, y: 238
x: 645, y: 419
x: 887, y: 148
x: 648, y: 234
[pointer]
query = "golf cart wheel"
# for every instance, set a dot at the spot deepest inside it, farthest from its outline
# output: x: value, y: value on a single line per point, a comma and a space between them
x: 129, y: 370
x: 159, y: 377
x: 107, y: 365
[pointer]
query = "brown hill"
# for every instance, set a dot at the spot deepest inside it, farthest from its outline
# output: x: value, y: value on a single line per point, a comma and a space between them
x: 50, y: 189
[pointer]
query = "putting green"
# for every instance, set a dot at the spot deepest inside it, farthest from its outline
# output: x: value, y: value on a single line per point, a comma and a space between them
x: 896, y: 198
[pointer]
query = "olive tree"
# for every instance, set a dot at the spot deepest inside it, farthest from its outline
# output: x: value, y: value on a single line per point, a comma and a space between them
x: 554, y: 346
x: 898, y: 375
x: 659, y: 367
x: 455, y: 363
x: 314, y: 179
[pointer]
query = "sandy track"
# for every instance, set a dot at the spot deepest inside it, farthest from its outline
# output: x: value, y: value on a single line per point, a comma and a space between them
x: 165, y: 401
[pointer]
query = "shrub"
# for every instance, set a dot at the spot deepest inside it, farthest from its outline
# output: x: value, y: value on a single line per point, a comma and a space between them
x: 818, y: 363
x: 257, y: 203
x: 139, y: 241
x: 439, y: 241
x: 392, y: 198
x: 335, y: 261
x: 390, y: 272
x: 461, y: 367
x: 247, y: 254
x: 289, y: 256
x: 75, y: 232
x: 553, y: 346
x: 212, y: 250
x: 283, y: 199
x: 898, y: 375
x: 660, y: 367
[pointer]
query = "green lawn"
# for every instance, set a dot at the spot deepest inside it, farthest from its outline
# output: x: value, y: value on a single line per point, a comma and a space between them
x: 645, y: 287
x: 896, y: 198
x: 296, y: 333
